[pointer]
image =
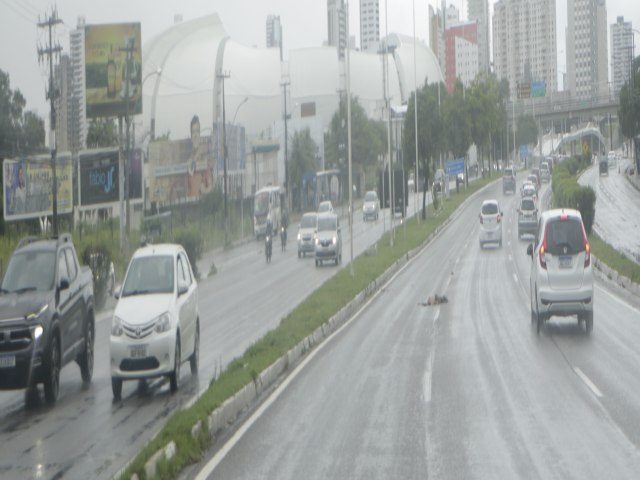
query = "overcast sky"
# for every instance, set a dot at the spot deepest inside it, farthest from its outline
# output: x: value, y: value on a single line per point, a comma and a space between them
x: 304, y: 24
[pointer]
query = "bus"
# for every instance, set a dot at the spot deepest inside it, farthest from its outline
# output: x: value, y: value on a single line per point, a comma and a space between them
x: 267, y: 203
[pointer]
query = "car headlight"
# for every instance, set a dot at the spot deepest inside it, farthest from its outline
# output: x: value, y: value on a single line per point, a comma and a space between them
x: 334, y: 240
x: 36, y: 332
x: 116, y: 327
x: 299, y: 236
x: 316, y: 240
x: 163, y: 322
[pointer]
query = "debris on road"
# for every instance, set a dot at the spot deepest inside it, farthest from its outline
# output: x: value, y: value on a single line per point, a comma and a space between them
x: 435, y: 300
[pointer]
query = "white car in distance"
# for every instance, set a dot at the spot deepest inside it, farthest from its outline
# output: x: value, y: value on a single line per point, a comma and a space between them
x: 490, y: 223
x: 155, y: 326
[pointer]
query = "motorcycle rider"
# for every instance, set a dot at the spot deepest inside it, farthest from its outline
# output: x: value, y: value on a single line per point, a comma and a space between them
x: 284, y: 222
x: 268, y: 237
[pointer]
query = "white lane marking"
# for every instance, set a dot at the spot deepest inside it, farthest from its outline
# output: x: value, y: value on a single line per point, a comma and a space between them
x: 428, y: 376
x: 617, y: 299
x: 587, y: 381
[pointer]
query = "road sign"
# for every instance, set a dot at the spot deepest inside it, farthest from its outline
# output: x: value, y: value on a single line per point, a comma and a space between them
x: 454, y: 167
x: 524, y: 151
x: 538, y: 88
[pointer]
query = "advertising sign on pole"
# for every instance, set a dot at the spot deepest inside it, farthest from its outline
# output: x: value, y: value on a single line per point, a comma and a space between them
x: 113, y: 55
x: 28, y: 182
x: 99, y: 173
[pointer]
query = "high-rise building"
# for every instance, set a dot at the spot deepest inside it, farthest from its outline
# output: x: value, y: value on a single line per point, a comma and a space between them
x: 478, y: 11
x: 439, y: 21
x: 524, y: 43
x: 621, y: 53
x: 337, y: 25
x: 274, y: 33
x: 462, y: 54
x: 79, y: 92
x: 369, y: 24
x: 63, y: 79
x: 587, y: 72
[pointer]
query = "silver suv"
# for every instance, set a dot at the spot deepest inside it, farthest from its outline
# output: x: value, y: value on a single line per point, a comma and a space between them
x: 561, y: 281
x: 328, y: 239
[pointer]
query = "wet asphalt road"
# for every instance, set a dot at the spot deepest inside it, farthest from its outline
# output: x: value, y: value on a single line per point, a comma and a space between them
x: 465, y: 389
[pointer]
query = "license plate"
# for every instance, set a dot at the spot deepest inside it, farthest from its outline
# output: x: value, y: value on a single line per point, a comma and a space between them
x: 565, y: 261
x: 7, y: 361
x: 138, y: 351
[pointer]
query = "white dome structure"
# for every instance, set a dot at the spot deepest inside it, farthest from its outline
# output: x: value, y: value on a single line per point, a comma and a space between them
x: 195, y: 58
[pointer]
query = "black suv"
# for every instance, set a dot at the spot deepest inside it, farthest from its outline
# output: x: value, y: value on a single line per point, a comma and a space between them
x: 46, y: 316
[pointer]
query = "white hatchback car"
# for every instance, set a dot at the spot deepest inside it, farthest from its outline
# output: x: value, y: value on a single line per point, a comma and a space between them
x: 325, y: 206
x: 561, y: 280
x: 155, y: 325
x: 490, y: 223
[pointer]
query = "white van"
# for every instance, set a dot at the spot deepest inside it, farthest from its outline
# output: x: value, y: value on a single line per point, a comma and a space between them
x: 266, y: 204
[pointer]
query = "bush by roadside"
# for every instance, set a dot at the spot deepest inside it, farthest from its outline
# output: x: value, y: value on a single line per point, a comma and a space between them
x: 567, y: 193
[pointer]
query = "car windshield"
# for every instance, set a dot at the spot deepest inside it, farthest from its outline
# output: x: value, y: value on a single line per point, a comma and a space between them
x: 489, y: 208
x: 324, y: 207
x: 33, y: 270
x: 308, y: 221
x: 370, y: 197
x: 261, y: 203
x: 327, y: 224
x: 508, y: 172
x: 149, y: 274
x: 564, y: 237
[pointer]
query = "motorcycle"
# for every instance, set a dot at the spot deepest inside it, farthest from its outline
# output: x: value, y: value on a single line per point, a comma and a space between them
x: 283, y: 238
x: 267, y: 247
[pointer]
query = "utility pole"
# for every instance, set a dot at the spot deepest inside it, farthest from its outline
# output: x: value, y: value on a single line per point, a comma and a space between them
x: 284, y: 85
x: 52, y: 94
x: 128, y: 50
x: 222, y: 76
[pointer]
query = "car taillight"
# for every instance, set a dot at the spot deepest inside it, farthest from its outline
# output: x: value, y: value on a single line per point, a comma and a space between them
x: 481, y: 221
x: 498, y: 218
x: 543, y: 249
x: 587, y: 249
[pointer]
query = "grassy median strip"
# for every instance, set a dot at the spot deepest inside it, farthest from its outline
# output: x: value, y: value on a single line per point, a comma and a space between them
x: 614, y: 259
x: 314, y: 311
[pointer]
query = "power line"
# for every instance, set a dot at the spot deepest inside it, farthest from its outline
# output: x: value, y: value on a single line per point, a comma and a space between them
x: 20, y: 13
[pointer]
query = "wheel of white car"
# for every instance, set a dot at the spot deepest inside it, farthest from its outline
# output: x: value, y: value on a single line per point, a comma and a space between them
x: 174, y: 377
x: 194, y: 360
x: 116, y: 386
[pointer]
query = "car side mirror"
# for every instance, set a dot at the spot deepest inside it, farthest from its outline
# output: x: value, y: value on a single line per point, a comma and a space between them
x: 182, y: 287
x: 530, y: 250
x: 64, y: 283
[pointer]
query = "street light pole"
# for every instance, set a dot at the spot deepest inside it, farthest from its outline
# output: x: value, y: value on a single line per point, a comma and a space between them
x: 224, y: 76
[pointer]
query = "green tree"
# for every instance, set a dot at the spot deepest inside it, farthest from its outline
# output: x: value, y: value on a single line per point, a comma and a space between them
x: 301, y: 159
x: 483, y: 97
x: 526, y: 130
x: 457, y: 122
x: 102, y: 133
x: 368, y: 137
x: 629, y: 112
x: 430, y: 133
x: 21, y: 132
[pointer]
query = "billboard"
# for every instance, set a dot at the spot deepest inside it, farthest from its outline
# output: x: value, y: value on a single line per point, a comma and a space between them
x: 28, y: 182
x: 99, y: 174
x: 454, y: 167
x: 112, y: 53
x: 181, y: 170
